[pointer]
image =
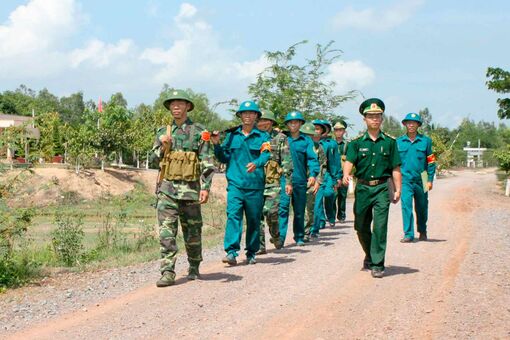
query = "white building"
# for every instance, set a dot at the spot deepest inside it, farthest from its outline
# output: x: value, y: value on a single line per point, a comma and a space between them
x: 15, y: 120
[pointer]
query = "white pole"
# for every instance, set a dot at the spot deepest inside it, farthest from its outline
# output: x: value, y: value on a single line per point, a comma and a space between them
x: 507, y: 190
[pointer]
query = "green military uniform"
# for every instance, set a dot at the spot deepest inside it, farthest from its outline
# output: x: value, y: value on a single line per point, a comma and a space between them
x: 341, y: 193
x: 279, y: 164
x: 374, y: 162
x: 189, y: 169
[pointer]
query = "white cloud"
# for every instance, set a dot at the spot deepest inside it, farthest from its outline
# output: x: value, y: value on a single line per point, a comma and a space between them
x: 372, y: 19
x: 100, y: 54
x: 350, y: 75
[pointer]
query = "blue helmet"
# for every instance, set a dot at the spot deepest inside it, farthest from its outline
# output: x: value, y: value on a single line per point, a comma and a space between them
x: 415, y: 117
x: 248, y: 105
x: 294, y: 115
x: 325, y: 124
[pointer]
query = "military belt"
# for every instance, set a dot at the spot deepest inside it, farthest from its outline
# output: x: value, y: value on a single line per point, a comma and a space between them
x: 373, y: 182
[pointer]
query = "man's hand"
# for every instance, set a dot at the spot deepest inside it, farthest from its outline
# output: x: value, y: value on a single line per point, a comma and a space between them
x: 165, y: 139
x: 316, y: 187
x: 250, y: 167
x: 288, y: 189
x: 345, y: 180
x: 204, y: 196
x: 311, y: 181
x: 429, y: 185
x: 215, y: 137
x: 396, y: 197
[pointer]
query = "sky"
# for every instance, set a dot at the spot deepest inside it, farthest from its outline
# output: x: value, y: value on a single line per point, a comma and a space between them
x: 412, y: 54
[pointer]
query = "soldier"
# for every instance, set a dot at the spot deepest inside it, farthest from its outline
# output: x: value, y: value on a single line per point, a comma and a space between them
x: 417, y: 159
x: 377, y: 161
x: 331, y: 178
x: 315, y: 132
x: 279, y: 164
x: 306, y: 168
x: 186, y: 170
x: 341, y: 194
x: 245, y: 151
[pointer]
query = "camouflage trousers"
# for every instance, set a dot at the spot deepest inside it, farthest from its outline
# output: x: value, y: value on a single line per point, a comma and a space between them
x: 270, y: 213
x: 309, y: 212
x: 170, y: 212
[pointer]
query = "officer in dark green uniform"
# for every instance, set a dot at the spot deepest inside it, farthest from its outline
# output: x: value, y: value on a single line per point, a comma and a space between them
x: 377, y: 161
x: 245, y: 151
x: 187, y: 168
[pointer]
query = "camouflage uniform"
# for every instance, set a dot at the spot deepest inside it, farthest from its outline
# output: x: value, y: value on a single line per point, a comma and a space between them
x: 310, y: 196
x: 178, y: 199
x: 280, y: 153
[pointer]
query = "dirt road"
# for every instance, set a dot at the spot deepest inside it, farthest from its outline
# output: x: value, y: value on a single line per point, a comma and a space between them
x: 455, y: 285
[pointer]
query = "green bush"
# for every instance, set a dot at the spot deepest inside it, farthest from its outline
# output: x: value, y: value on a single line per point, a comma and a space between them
x: 67, y: 238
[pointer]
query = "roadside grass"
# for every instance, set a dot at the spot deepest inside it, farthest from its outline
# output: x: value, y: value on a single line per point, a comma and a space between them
x: 117, y: 231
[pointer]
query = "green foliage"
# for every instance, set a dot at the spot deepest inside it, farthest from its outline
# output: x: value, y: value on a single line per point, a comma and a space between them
x: 503, y: 157
x: 51, y: 140
x: 67, y: 238
x: 392, y: 126
x: 444, y: 155
x: 500, y: 83
x: 286, y: 85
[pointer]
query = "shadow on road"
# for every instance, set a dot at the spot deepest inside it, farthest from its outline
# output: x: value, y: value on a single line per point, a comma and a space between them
x: 398, y: 270
x: 326, y: 232
x: 432, y: 240
x: 274, y: 260
x: 289, y: 250
x: 222, y: 276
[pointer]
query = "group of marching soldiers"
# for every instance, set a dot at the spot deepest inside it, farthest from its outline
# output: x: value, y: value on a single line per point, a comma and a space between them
x: 267, y: 170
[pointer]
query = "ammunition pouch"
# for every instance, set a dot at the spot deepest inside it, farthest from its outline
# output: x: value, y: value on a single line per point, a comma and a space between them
x: 273, y: 172
x: 181, y: 166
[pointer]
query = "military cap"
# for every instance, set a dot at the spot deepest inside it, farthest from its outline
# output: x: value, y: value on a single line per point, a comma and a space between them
x: 413, y: 117
x: 341, y: 124
x: 372, y: 105
x: 321, y: 123
x: 294, y: 115
x: 307, y: 129
x: 178, y: 95
x: 267, y: 114
x: 248, y: 105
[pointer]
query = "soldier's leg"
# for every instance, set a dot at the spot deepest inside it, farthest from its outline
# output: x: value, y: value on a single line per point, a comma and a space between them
x: 298, y: 206
x: 363, y: 217
x: 253, y: 203
x: 191, y: 223
x: 283, y: 212
x: 318, y: 208
x: 380, y: 229
x: 421, y: 207
x: 341, y: 200
x: 234, y: 227
x: 309, y: 213
x: 271, y: 206
x: 264, y: 216
x: 407, y: 209
x: 329, y: 202
x: 167, y: 211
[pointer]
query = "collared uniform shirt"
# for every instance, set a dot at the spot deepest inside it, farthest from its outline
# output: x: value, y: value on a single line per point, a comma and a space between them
x: 373, y: 159
x: 304, y: 159
x: 333, y: 158
x: 237, y: 150
x: 416, y: 156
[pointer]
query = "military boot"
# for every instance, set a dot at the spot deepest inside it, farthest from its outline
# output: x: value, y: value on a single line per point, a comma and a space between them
x: 167, y: 279
x: 193, y: 272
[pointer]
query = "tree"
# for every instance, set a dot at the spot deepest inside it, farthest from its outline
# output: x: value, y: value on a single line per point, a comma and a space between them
x: 500, y: 82
x: 426, y: 119
x: 284, y: 85
x: 503, y: 157
x: 72, y: 108
x: 51, y: 139
x: 392, y: 126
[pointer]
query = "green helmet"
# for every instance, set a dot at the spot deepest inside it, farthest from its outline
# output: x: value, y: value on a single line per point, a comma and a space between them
x: 178, y: 94
x: 248, y: 105
x: 307, y: 129
x: 294, y: 115
x: 413, y: 117
x: 266, y: 114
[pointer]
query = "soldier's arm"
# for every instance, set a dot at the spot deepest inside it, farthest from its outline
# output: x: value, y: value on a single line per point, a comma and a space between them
x: 222, y: 152
x: 336, y: 167
x: 286, y: 160
x: 312, y: 160
x: 323, y: 164
x: 207, y: 167
x: 265, y: 154
x: 157, y: 148
x: 431, y: 161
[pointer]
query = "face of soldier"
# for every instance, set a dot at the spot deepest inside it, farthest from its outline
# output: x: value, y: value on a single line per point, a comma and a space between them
x: 294, y: 125
x: 339, y: 133
x: 264, y: 124
x: 249, y: 117
x: 179, y: 109
x: 411, y: 126
x: 373, y: 120
x: 318, y: 133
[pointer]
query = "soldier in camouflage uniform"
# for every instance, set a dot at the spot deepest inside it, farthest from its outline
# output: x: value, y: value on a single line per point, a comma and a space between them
x: 279, y: 164
x: 186, y: 171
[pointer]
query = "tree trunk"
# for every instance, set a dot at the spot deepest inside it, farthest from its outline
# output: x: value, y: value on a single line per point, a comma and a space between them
x: 147, y: 162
